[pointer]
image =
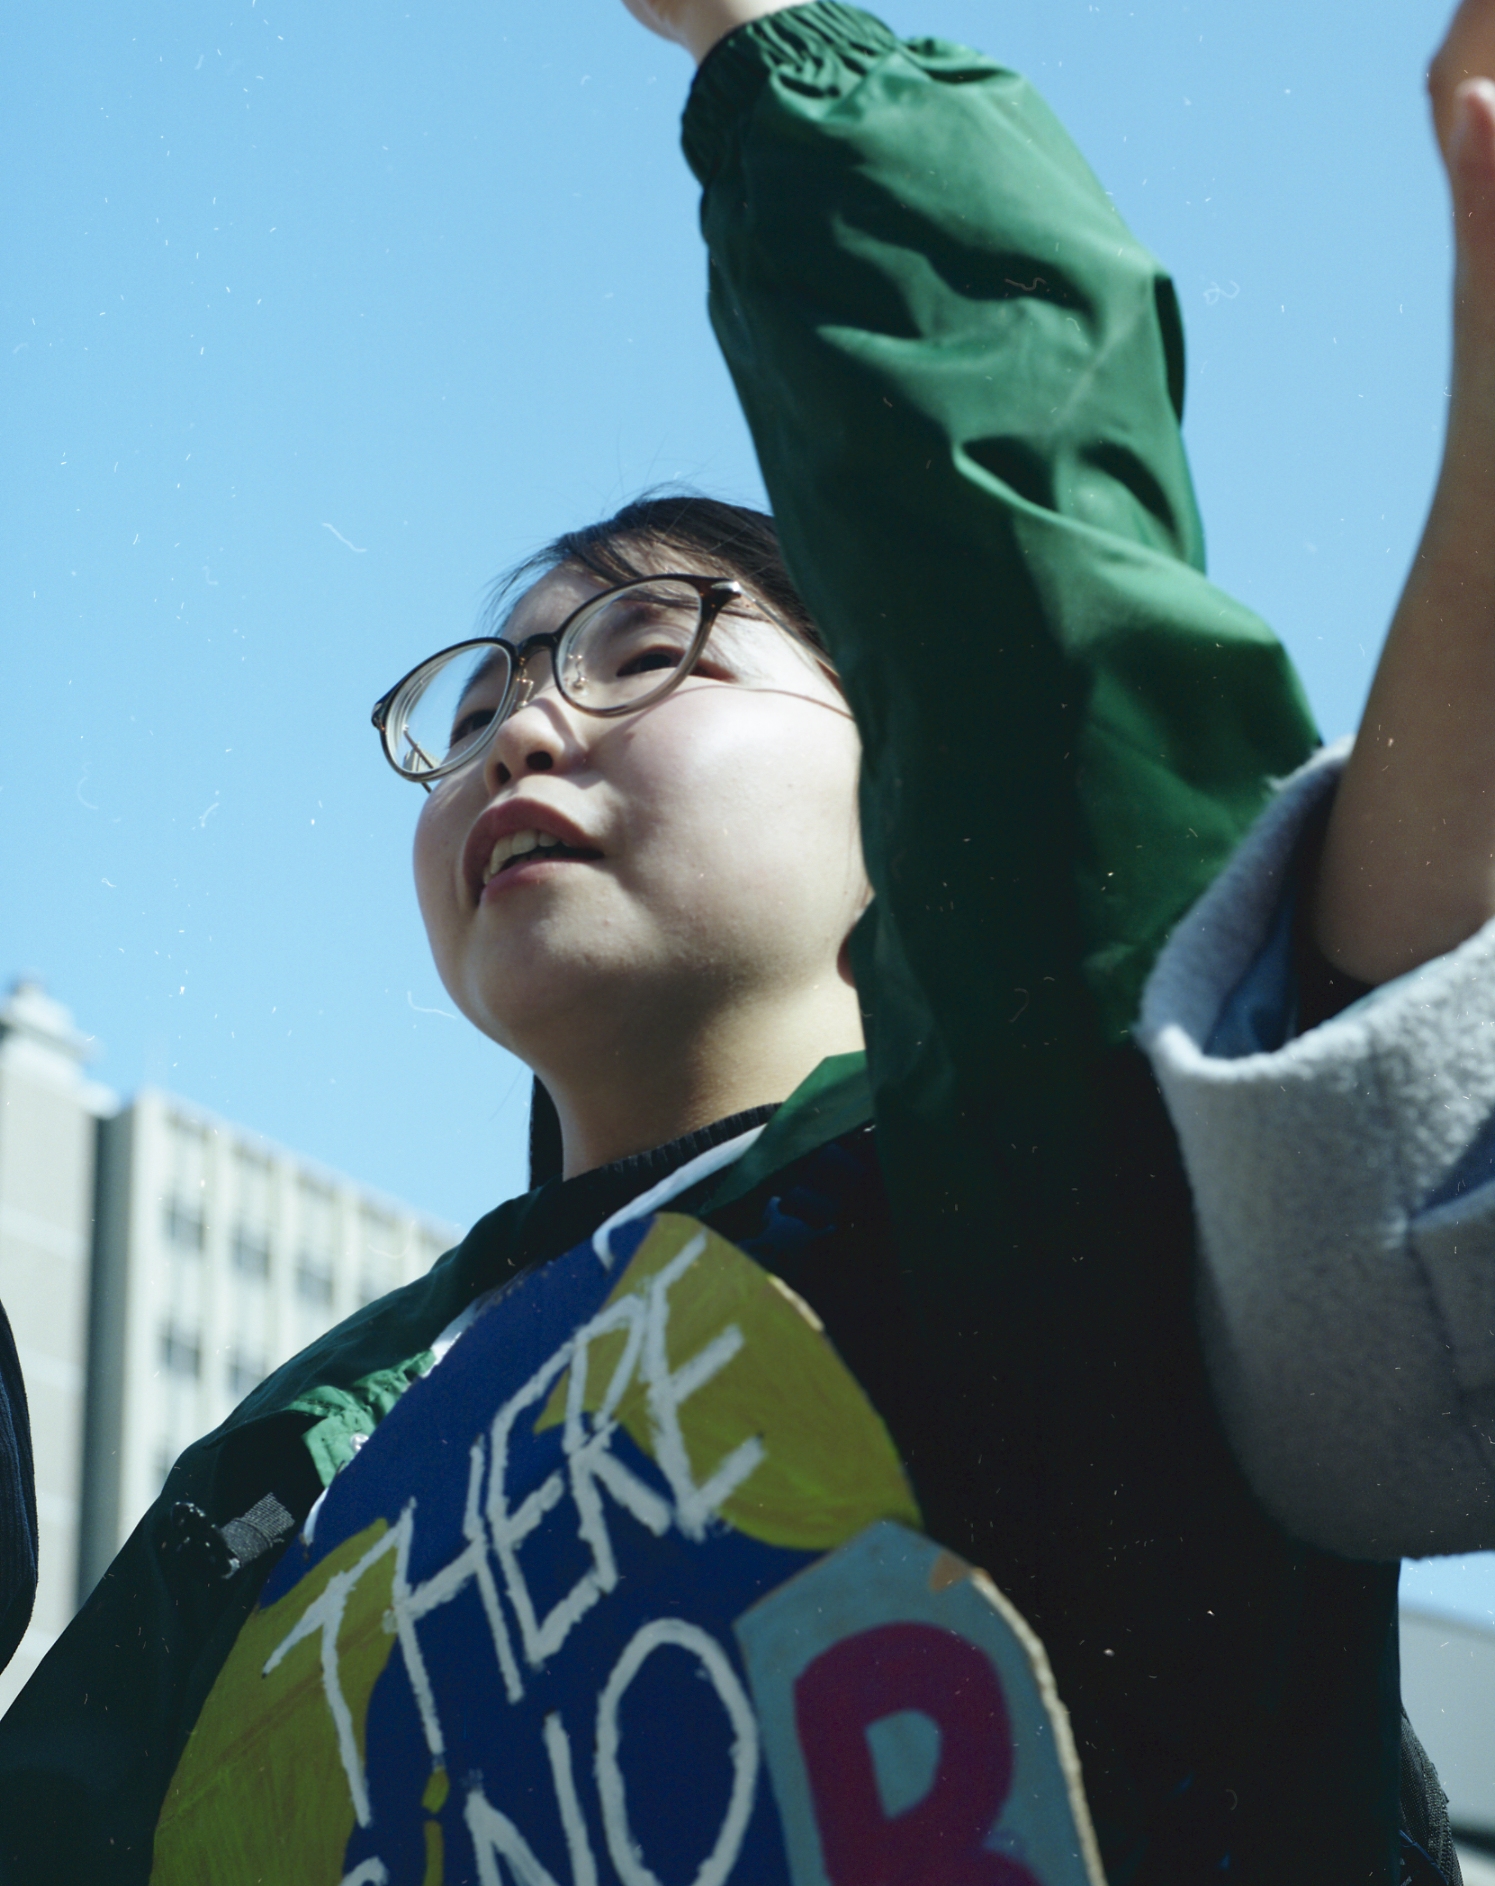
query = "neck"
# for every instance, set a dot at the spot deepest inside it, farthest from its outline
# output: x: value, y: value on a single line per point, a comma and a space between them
x: 644, y: 1088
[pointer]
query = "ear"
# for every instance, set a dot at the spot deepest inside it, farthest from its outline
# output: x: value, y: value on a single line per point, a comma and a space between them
x: 843, y: 955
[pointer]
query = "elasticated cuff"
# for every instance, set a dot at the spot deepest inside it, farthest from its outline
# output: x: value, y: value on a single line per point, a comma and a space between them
x: 820, y: 49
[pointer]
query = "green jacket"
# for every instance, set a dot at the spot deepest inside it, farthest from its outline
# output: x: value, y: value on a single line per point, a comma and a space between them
x: 964, y: 379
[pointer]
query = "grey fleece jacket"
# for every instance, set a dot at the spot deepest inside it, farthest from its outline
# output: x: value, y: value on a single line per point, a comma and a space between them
x: 1344, y: 1186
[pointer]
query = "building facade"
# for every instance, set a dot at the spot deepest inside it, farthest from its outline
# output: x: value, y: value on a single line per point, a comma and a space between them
x: 156, y: 1263
x: 49, y: 1119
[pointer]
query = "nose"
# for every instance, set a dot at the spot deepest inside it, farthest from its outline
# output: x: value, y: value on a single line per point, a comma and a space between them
x: 537, y: 736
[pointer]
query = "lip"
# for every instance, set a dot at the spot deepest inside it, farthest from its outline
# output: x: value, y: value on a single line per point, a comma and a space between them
x: 500, y: 821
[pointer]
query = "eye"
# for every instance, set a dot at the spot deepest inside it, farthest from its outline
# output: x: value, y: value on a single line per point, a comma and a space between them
x: 647, y: 660
x: 471, y: 724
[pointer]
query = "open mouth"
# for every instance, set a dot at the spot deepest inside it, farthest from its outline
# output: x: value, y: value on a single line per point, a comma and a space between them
x: 532, y: 847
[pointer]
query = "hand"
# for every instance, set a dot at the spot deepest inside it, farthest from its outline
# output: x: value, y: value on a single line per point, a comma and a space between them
x: 1461, y: 86
x: 1467, y: 52
x: 1470, y: 158
x: 699, y: 24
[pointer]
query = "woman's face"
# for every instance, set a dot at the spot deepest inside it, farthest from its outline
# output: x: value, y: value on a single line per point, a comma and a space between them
x: 708, y: 853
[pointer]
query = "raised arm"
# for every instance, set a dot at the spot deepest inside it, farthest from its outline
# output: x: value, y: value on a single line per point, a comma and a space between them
x: 1408, y: 868
x: 963, y: 378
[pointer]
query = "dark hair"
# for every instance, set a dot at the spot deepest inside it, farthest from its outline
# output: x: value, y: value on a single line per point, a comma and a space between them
x: 709, y: 536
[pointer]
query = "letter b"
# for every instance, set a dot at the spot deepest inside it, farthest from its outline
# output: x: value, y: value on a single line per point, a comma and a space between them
x: 939, y: 1840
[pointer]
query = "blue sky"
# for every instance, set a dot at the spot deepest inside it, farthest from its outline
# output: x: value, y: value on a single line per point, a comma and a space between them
x: 316, y: 317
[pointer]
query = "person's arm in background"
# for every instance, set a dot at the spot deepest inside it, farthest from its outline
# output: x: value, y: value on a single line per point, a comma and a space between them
x: 1408, y: 868
x: 1343, y: 1181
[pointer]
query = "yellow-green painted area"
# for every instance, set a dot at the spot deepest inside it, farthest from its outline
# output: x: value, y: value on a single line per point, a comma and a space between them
x: 829, y: 1467
x: 261, y: 1792
x: 435, y: 1873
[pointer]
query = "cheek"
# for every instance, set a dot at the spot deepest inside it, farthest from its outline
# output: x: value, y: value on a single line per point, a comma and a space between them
x: 807, y: 802
x: 758, y: 805
x: 433, y: 855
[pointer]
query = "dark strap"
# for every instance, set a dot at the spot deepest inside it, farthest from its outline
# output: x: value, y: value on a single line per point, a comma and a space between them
x: 220, y: 1551
x: 264, y: 1525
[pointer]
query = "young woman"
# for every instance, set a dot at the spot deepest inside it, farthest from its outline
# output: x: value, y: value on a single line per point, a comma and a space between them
x: 640, y: 866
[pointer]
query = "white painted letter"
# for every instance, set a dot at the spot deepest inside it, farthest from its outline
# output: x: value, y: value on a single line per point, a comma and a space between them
x: 626, y: 1854
x: 694, y: 1504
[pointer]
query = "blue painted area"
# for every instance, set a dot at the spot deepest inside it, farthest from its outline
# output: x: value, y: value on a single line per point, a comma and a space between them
x: 905, y: 1748
x: 676, y: 1737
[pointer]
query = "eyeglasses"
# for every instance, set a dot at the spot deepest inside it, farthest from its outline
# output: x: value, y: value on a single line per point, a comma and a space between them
x: 619, y: 652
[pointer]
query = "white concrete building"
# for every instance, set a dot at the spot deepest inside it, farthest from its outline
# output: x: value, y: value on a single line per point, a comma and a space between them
x: 156, y: 1263
x: 49, y: 1115
x: 217, y: 1255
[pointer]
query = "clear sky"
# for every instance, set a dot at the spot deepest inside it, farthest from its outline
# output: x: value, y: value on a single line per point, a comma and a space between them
x: 315, y: 317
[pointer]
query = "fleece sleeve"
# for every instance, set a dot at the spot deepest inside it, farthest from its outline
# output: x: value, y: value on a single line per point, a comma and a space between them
x: 1345, y: 1192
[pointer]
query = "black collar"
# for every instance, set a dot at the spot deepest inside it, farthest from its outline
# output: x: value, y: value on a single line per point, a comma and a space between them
x: 564, y: 1211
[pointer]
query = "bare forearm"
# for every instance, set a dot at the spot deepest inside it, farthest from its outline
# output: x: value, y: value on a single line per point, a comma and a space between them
x: 1409, y: 862
x: 1408, y: 869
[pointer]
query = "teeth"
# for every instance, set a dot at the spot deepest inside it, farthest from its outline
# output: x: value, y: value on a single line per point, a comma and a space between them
x: 515, y: 846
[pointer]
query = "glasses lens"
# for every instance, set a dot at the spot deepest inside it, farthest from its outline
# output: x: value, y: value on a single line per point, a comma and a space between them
x: 629, y: 645
x: 444, y: 713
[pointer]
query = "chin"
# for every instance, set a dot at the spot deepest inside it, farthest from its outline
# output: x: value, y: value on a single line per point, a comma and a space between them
x: 538, y: 1010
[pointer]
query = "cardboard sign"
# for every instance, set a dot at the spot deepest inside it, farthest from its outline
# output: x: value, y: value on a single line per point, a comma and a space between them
x: 629, y: 1592
x: 911, y: 1726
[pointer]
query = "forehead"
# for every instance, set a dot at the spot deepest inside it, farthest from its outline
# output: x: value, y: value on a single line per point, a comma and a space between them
x: 546, y: 604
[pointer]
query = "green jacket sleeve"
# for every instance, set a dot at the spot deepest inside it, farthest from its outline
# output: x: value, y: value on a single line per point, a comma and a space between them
x: 963, y: 377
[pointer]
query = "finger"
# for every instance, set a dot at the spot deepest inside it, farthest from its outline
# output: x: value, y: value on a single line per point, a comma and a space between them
x: 1468, y: 51
x: 1471, y: 157
x: 1471, y: 167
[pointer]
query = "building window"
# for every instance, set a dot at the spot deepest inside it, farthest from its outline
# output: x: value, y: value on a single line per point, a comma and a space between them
x: 187, y: 1157
x: 180, y: 1353
x: 183, y: 1224
x: 314, y: 1281
x: 244, y: 1373
x: 253, y: 1213
x: 383, y: 1239
x: 252, y: 1251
